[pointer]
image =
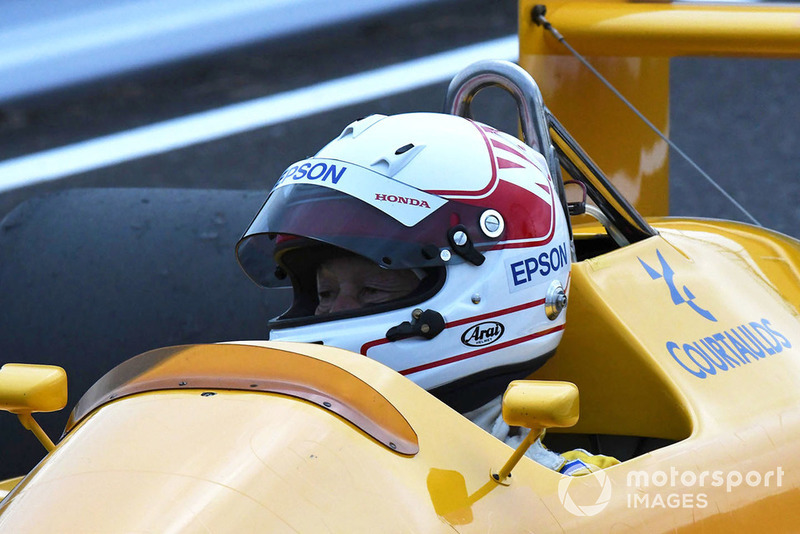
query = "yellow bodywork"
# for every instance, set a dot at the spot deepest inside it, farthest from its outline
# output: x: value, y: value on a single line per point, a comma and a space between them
x: 631, y: 43
x: 202, y: 460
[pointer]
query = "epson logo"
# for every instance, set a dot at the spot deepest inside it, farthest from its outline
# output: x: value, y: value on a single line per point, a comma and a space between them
x: 401, y: 200
x: 482, y: 334
x: 530, y: 269
x: 321, y: 171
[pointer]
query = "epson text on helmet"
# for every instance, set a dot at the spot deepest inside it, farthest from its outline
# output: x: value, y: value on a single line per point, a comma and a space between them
x: 310, y: 170
x: 530, y: 269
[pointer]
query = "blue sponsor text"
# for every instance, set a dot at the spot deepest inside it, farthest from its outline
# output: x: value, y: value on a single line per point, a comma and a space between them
x: 527, y: 270
x: 729, y: 350
x: 321, y: 171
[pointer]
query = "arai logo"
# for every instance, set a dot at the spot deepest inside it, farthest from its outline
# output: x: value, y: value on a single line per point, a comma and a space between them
x: 482, y: 334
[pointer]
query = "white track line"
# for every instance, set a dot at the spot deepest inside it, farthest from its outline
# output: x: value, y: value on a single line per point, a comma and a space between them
x: 47, y: 44
x: 237, y: 118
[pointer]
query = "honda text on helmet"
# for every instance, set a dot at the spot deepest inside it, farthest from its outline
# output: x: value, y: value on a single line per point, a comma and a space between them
x: 471, y: 211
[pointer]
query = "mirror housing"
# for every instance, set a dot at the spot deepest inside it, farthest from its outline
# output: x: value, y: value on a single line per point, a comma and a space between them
x: 537, y: 405
x: 28, y: 388
x: 541, y: 404
x: 32, y: 388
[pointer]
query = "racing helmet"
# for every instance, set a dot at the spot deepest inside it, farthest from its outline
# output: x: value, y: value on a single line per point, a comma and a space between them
x: 474, y: 212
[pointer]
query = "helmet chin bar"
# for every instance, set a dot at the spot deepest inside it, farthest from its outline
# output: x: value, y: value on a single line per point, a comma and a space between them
x: 427, y: 324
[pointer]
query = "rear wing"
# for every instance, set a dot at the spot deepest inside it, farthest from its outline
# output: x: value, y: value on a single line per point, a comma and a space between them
x: 631, y: 43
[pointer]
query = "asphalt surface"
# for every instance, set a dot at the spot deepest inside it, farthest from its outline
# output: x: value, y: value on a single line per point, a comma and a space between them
x: 103, y: 300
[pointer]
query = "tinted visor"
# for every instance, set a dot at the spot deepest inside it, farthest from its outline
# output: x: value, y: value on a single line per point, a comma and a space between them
x: 330, y: 216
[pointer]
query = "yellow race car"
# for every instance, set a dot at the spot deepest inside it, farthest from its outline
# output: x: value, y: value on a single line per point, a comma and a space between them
x: 677, y: 359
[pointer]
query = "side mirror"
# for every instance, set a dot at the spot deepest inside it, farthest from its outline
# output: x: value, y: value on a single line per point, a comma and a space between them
x: 28, y: 388
x: 541, y: 404
x: 537, y: 405
x: 576, y: 206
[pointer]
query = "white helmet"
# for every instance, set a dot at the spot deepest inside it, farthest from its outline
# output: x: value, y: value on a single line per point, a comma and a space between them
x: 473, y: 210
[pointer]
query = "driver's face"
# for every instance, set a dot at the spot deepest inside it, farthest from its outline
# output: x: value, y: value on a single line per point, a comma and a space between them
x: 352, y: 282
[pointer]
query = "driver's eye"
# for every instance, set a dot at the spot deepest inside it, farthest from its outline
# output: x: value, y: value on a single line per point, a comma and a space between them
x: 375, y: 295
x: 325, y: 295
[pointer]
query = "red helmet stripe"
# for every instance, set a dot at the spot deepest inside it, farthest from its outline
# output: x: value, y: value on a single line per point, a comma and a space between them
x: 474, y: 319
x: 506, y: 164
x: 478, y: 352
